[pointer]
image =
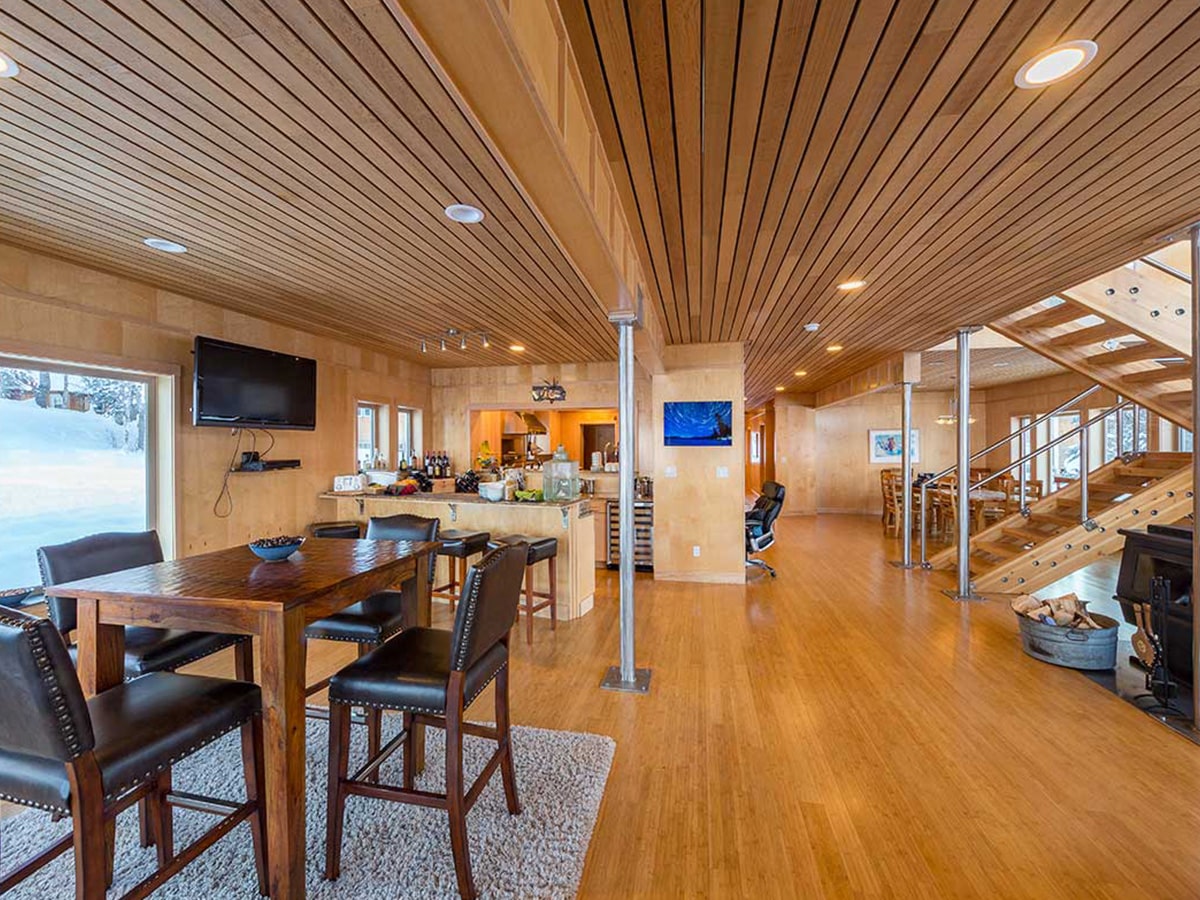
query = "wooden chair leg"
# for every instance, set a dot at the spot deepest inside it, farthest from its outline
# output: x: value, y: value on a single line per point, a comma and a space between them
x: 87, y: 812
x: 462, y: 580
x: 507, y: 772
x: 554, y: 593
x: 253, y: 768
x: 410, y: 747
x: 335, y: 805
x: 164, y: 824
x: 455, y: 799
x: 145, y: 831
x: 452, y: 574
x: 243, y: 660
x: 374, y: 719
x: 529, y: 605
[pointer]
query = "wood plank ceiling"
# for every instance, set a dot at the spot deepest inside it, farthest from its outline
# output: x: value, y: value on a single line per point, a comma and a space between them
x: 303, y: 151
x: 768, y: 150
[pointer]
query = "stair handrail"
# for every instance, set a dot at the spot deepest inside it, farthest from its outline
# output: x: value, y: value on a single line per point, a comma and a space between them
x: 1163, y: 267
x: 1081, y: 429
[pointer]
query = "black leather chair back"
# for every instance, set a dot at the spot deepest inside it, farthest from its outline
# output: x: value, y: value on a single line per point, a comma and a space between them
x: 42, y: 710
x: 97, y: 554
x: 405, y: 527
x: 778, y: 492
x: 488, y: 608
x: 773, y: 491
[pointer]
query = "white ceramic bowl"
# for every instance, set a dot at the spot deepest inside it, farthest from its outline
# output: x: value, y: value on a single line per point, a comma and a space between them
x: 492, y: 490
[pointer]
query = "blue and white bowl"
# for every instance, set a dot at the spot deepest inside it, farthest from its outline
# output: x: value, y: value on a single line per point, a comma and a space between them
x: 275, y: 553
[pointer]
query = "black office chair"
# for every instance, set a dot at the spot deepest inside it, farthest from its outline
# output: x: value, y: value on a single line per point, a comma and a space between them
x: 760, y: 523
x: 379, y: 617
x: 91, y: 759
x: 146, y: 649
x: 432, y: 676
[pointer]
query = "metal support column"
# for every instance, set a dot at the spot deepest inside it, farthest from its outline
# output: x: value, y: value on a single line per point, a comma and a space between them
x: 963, y: 493
x: 626, y: 677
x: 1084, y: 449
x: 906, y: 511
x: 1195, y: 235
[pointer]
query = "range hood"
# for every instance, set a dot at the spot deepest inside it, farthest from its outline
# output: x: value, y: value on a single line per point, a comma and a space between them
x: 523, y: 423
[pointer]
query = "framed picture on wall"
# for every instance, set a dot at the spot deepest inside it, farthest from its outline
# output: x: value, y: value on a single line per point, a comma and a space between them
x: 691, y: 423
x: 887, y: 445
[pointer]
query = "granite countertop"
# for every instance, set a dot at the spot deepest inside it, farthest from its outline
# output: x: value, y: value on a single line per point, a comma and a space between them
x: 450, y: 498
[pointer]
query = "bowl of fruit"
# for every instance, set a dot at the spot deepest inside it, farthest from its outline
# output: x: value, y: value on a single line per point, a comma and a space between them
x: 276, y: 549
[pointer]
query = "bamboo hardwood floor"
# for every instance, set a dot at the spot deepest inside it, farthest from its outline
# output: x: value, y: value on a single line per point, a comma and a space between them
x: 845, y: 730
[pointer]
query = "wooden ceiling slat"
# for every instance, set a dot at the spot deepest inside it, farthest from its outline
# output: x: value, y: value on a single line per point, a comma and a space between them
x: 684, y: 25
x: 313, y: 176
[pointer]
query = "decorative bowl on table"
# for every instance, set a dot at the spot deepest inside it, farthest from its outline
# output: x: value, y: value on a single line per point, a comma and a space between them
x: 275, y: 549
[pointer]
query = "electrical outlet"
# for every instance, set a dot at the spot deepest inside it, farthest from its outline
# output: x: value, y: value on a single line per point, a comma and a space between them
x: 695, y: 550
x: 722, y: 471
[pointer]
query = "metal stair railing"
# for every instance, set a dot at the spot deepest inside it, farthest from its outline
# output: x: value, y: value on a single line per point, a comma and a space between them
x: 1080, y: 430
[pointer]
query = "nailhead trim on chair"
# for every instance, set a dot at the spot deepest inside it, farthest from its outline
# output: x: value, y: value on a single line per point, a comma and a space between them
x: 19, y: 801
x: 421, y: 709
x: 483, y: 566
x: 383, y: 636
x: 41, y: 659
x: 174, y: 759
x: 237, y: 639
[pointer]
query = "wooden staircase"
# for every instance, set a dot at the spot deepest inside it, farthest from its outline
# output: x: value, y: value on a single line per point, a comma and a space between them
x: 1022, y: 553
x: 1128, y: 330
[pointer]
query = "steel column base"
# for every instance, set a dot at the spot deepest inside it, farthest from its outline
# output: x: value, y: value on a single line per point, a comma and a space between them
x: 640, y: 684
x: 963, y: 598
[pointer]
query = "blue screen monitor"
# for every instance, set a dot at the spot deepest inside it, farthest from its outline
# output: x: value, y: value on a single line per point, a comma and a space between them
x: 698, y: 423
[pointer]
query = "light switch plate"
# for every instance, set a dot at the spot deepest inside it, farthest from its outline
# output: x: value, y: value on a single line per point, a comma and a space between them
x: 722, y: 471
x: 670, y: 472
x: 695, y: 550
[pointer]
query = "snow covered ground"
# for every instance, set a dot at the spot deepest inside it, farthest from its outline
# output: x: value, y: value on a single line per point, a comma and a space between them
x: 62, y: 476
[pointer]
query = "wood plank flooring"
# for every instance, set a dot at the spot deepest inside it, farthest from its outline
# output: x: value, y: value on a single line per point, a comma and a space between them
x: 847, y: 731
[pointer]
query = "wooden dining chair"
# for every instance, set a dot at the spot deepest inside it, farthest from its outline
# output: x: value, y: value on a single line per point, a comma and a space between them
x: 432, y: 676
x: 91, y: 759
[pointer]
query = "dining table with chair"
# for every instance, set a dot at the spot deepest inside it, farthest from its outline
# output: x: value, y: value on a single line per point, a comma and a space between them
x: 233, y: 592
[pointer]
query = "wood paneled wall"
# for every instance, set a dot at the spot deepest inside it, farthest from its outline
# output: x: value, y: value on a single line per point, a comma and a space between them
x: 847, y: 482
x: 797, y: 465
x: 59, y: 310
x: 694, y: 507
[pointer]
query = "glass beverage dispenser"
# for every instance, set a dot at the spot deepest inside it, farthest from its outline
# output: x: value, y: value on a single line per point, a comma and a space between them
x: 560, y: 477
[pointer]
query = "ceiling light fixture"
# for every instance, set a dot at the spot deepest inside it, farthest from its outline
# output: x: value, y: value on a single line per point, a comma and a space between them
x: 1055, y: 64
x: 164, y: 245
x: 484, y: 342
x: 800, y: 373
x: 851, y: 285
x: 464, y: 213
x: 834, y: 348
x: 516, y: 348
x: 442, y: 343
x: 424, y: 347
x: 780, y: 388
x: 8, y: 66
x: 813, y: 326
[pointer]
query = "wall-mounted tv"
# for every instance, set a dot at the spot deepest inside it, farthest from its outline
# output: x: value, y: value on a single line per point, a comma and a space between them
x: 698, y: 423
x: 245, y: 387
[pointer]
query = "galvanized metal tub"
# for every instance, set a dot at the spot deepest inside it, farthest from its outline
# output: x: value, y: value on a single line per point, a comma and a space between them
x: 1075, y: 648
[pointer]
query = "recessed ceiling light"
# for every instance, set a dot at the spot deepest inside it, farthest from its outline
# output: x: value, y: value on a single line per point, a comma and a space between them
x: 1001, y: 365
x: 851, y: 285
x: 812, y: 326
x: 834, y: 348
x: 462, y: 212
x: 800, y: 373
x: 516, y: 348
x: 780, y: 387
x: 1055, y: 64
x: 8, y: 67
x: 164, y: 245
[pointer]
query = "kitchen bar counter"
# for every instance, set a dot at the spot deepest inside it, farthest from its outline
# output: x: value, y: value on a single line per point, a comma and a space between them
x: 570, y: 521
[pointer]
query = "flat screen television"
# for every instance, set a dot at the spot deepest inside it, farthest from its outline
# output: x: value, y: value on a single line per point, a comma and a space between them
x: 236, y: 386
x: 698, y: 423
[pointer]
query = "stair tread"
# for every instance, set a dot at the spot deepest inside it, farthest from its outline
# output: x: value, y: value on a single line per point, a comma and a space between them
x: 1055, y: 315
x: 997, y: 549
x: 1130, y: 353
x: 1092, y: 334
x: 1159, y: 374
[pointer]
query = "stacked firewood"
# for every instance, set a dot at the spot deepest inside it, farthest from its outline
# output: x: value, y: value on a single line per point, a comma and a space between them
x: 1067, y: 611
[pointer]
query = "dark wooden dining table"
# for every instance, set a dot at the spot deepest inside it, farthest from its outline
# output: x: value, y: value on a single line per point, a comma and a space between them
x: 233, y: 591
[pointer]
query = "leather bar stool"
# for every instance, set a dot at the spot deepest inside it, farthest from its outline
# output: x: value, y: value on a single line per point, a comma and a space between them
x: 350, y: 530
x: 379, y: 617
x: 91, y: 759
x: 432, y: 676
x: 540, y: 549
x: 459, y: 544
